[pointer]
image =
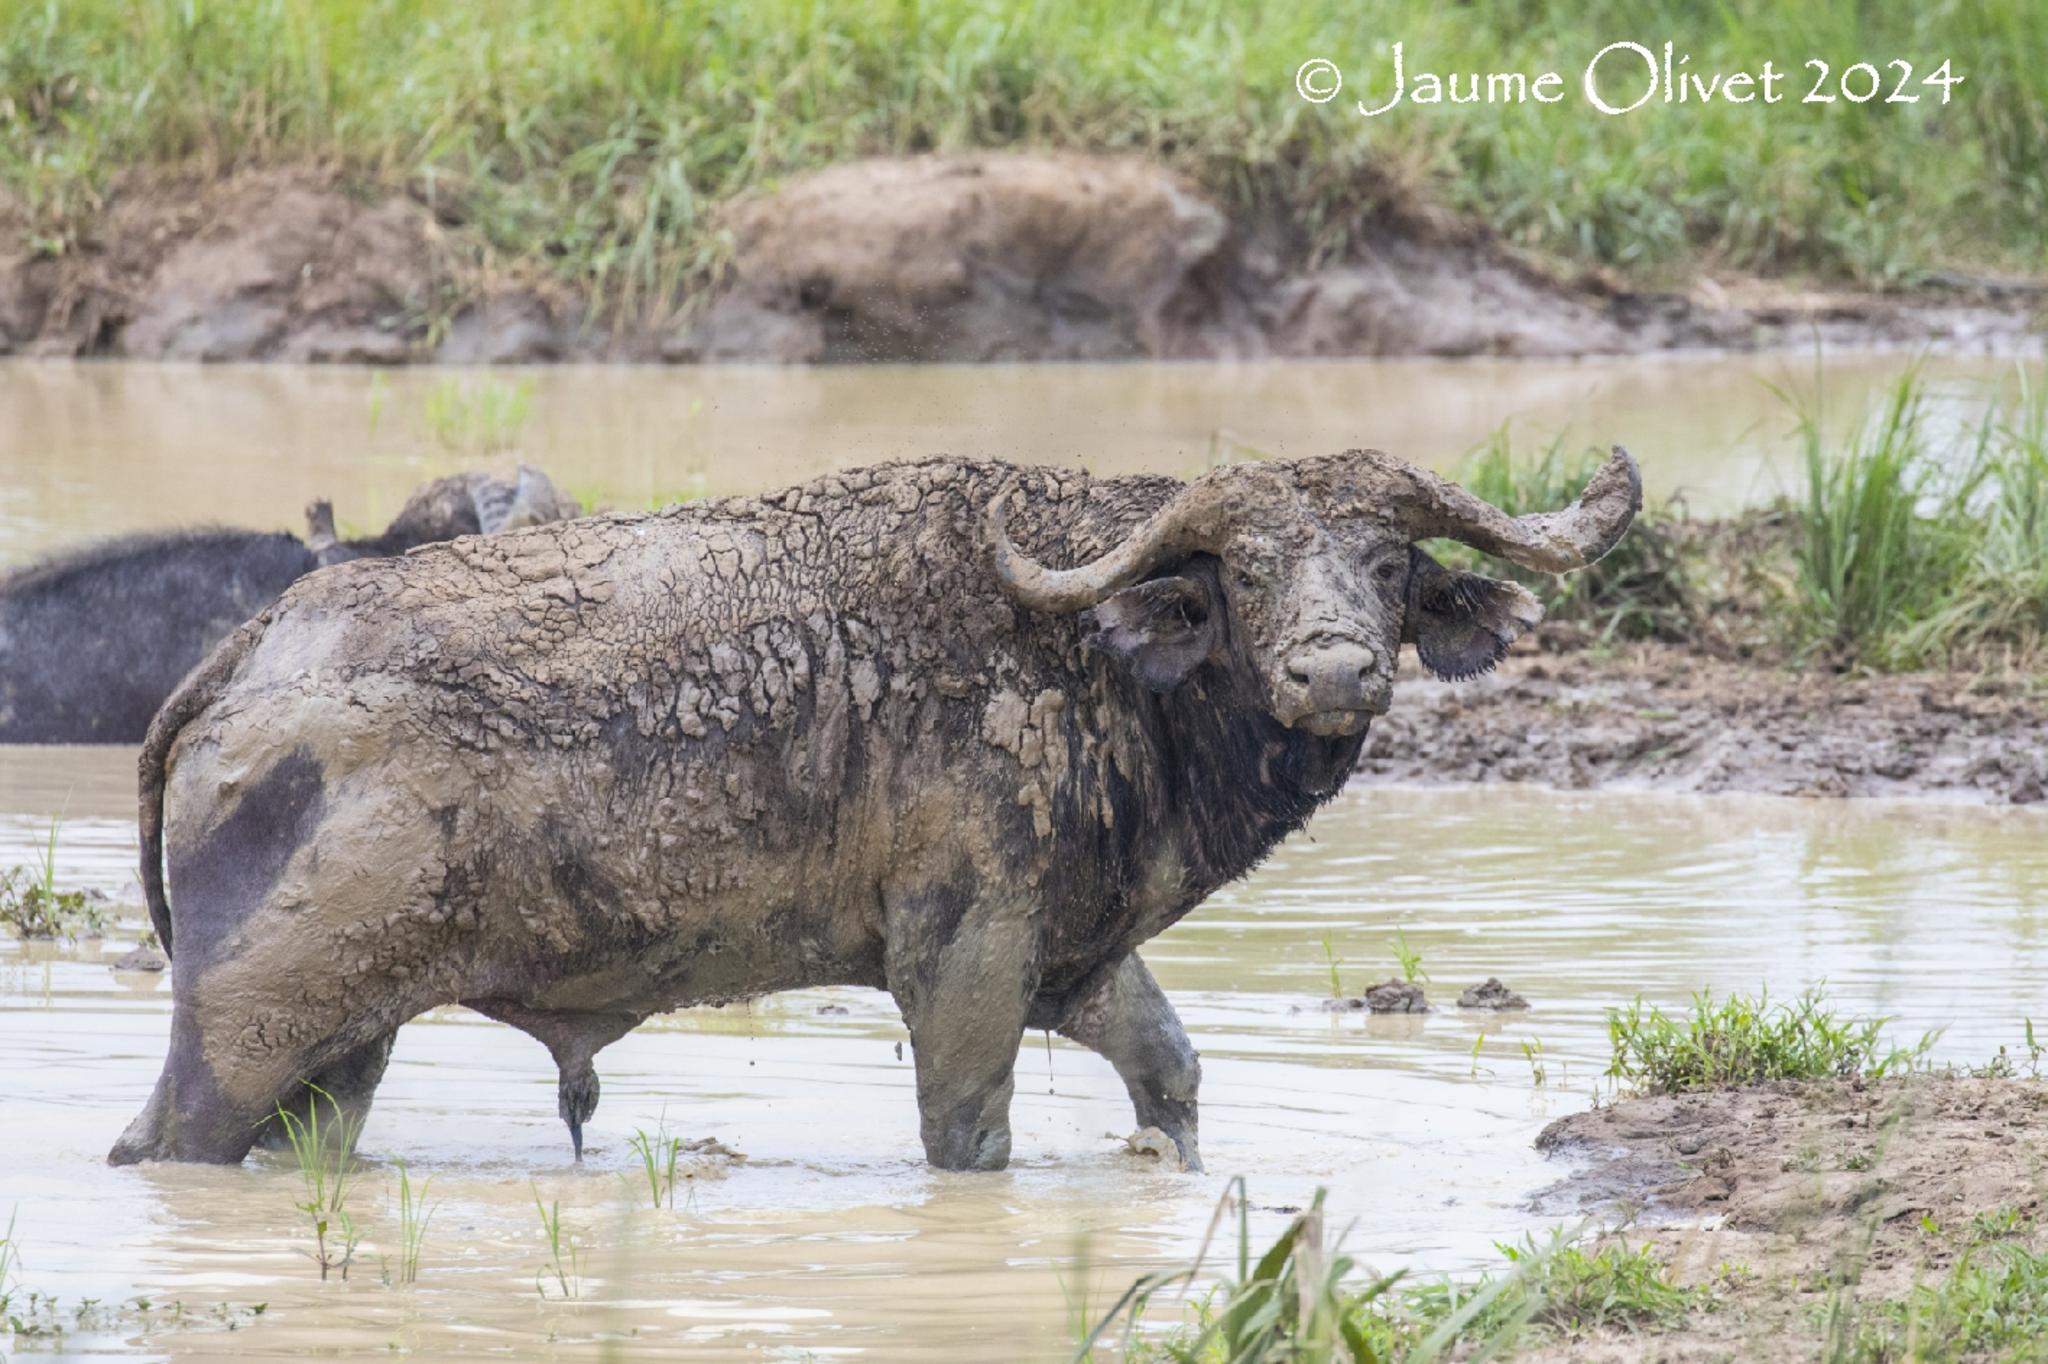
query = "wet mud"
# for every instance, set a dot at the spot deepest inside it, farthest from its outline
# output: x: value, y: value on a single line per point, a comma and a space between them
x: 963, y: 258
x: 1782, y: 1199
x: 1659, y: 717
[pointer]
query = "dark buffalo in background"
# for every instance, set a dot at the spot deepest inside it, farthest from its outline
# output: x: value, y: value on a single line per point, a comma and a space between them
x: 93, y: 640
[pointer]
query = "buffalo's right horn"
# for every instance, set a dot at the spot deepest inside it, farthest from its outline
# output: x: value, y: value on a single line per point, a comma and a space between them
x: 1195, y: 519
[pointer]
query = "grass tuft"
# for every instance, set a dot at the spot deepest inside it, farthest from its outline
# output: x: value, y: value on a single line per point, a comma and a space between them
x: 325, y: 1155
x: 31, y: 906
x: 659, y: 1153
x: 1746, y: 1040
x: 565, y: 1260
x: 1918, y: 546
x: 414, y: 1212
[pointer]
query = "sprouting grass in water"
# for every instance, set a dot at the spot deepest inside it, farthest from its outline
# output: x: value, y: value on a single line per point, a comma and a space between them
x: 1299, y: 1301
x: 1746, y: 1039
x: 565, y: 1261
x: 325, y: 1154
x: 414, y: 1212
x: 477, y: 417
x: 659, y: 1151
x: 10, y: 1267
x: 31, y: 906
x: 1332, y: 961
x: 1410, y: 960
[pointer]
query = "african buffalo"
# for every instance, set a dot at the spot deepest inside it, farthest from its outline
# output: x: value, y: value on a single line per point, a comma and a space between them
x: 91, y: 642
x: 856, y: 732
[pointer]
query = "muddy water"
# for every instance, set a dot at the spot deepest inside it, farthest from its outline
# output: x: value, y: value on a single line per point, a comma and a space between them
x: 832, y: 1239
x: 93, y: 449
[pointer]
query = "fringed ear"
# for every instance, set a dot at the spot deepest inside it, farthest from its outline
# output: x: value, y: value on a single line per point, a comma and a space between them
x: 1161, y: 630
x: 1461, y: 624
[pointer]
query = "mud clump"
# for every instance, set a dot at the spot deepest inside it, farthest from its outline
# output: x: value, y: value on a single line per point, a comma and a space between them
x: 1491, y: 995
x: 1396, y: 996
x: 1673, y: 718
x: 141, y: 959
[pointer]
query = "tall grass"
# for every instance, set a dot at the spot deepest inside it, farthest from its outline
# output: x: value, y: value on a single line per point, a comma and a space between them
x: 1917, y: 547
x: 594, y: 138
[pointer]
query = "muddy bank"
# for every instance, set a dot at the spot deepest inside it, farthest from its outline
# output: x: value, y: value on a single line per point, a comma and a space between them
x: 969, y: 258
x: 1797, y: 1199
x: 1667, y: 717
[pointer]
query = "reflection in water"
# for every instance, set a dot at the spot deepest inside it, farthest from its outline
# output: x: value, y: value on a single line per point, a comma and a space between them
x: 95, y: 449
x: 833, y: 1236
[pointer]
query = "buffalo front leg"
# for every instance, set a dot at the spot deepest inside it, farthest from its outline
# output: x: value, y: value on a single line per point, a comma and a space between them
x: 1128, y: 1020
x: 963, y: 975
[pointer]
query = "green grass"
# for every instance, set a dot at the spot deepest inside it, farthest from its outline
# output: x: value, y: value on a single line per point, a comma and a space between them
x: 1301, y: 1300
x: 594, y: 139
x: 1640, y: 590
x: 325, y: 1155
x: 659, y: 1153
x: 31, y: 906
x: 1918, y: 547
x: 414, y: 1213
x: 1745, y: 1040
x: 475, y: 418
x: 1991, y: 1304
x: 565, y: 1258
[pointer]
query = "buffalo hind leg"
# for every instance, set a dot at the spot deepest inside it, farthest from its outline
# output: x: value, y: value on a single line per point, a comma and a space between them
x: 574, y: 1039
x: 1129, y: 1021
x: 963, y: 975
x: 348, y: 1085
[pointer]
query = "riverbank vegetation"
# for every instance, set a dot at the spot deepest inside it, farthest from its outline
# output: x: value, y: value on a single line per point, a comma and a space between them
x: 594, y: 140
x: 1915, y: 543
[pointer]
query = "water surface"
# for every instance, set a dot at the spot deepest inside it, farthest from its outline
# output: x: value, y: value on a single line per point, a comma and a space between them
x: 92, y: 449
x: 833, y: 1238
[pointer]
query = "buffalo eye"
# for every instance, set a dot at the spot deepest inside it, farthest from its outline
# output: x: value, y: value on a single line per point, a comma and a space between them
x: 1388, y: 570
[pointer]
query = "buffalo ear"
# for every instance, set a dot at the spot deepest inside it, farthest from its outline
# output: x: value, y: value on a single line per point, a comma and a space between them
x: 1461, y: 624
x: 1160, y: 630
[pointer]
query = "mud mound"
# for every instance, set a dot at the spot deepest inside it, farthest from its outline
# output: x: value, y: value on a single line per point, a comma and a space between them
x: 1668, y: 718
x: 1005, y: 257
x: 996, y: 256
x: 1802, y: 1196
x: 975, y: 258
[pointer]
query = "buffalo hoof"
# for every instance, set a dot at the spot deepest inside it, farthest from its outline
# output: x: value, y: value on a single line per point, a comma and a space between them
x: 978, y: 1151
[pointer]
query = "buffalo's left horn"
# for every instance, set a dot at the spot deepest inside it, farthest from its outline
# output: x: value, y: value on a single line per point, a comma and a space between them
x: 1194, y: 519
x: 1548, y: 542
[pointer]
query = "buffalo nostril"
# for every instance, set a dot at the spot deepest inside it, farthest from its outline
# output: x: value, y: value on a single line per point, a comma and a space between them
x: 1298, y: 671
